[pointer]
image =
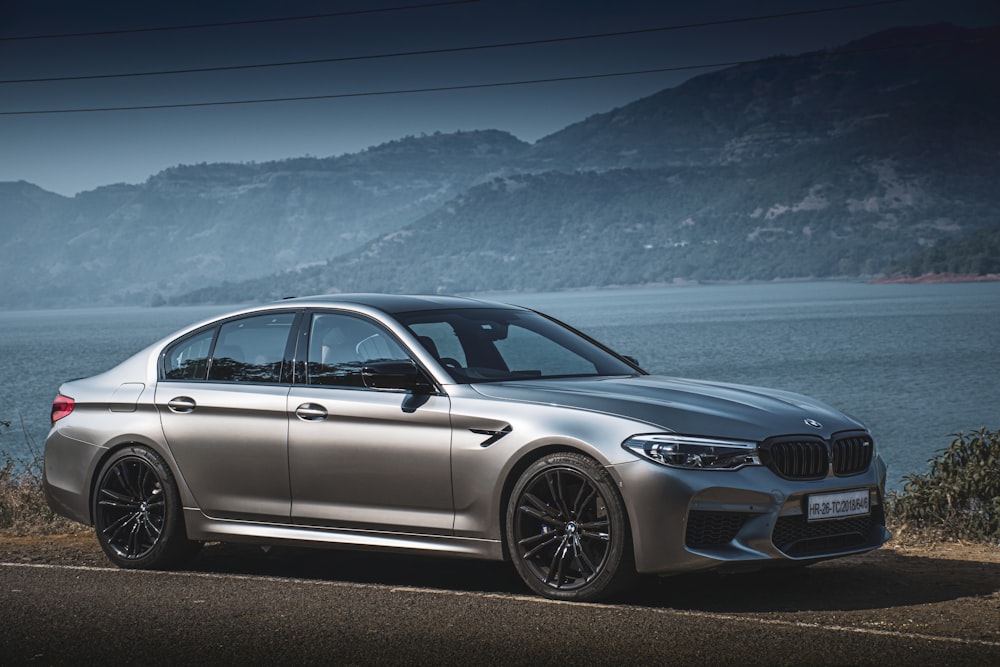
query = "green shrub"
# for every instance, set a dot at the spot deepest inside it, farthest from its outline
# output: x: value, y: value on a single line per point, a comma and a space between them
x: 959, y: 497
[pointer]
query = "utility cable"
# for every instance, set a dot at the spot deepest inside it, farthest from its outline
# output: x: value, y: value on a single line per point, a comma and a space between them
x: 457, y: 49
x: 502, y: 84
x: 226, y: 24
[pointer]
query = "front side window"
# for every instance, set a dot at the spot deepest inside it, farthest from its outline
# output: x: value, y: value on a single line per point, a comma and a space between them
x: 341, y: 345
x: 251, y: 349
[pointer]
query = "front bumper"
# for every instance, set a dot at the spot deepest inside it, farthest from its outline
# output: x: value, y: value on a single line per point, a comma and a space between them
x: 685, y: 520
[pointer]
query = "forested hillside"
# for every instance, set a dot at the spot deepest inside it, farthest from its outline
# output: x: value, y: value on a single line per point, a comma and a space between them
x: 814, y: 218
x: 198, y: 224
x: 877, y: 157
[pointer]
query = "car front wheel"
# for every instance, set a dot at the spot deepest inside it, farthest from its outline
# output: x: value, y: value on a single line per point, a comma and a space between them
x: 567, y: 530
x: 137, y: 511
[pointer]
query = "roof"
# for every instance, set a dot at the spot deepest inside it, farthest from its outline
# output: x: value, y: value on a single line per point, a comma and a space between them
x: 395, y: 303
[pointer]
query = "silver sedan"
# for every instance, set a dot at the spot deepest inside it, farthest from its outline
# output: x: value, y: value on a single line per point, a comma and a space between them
x: 456, y: 427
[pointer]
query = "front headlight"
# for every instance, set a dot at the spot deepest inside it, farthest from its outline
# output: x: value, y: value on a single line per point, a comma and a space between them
x: 692, y: 452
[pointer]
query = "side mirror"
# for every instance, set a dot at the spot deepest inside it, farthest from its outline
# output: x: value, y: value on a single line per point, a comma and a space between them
x: 631, y: 360
x: 394, y: 375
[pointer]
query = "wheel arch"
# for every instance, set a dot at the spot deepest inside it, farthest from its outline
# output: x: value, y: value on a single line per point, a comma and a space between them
x: 124, y: 442
x: 529, y: 458
x: 143, y: 525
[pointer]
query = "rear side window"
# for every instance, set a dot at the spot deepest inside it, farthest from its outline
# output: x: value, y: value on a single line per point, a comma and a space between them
x: 251, y: 349
x: 188, y: 359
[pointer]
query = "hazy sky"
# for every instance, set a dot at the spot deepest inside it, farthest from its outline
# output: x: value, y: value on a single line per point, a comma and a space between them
x: 72, y: 152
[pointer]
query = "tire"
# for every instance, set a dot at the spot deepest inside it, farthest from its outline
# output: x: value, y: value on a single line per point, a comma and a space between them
x: 567, y: 530
x: 137, y: 512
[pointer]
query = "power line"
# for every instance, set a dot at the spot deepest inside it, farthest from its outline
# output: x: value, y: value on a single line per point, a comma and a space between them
x: 458, y: 49
x: 224, y: 24
x: 503, y: 84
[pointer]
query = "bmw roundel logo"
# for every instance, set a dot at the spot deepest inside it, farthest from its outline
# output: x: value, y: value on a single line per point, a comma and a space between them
x: 813, y: 423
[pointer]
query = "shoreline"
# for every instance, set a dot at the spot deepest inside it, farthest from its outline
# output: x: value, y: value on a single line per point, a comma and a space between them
x: 936, y: 278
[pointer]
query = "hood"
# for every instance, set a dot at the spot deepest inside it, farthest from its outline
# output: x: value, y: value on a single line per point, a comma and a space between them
x: 690, y: 407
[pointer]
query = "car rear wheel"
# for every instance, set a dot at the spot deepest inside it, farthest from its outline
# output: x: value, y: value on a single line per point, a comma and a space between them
x: 567, y: 530
x: 137, y: 512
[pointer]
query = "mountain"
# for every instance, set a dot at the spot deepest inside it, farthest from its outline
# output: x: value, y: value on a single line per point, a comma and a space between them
x: 836, y: 164
x: 200, y: 224
x: 815, y: 217
x: 939, y: 89
x: 977, y: 253
x: 846, y: 162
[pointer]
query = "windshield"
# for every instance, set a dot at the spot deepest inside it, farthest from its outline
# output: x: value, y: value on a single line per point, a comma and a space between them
x: 493, y: 344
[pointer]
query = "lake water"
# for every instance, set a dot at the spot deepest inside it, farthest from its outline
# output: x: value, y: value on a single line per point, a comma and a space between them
x: 914, y: 362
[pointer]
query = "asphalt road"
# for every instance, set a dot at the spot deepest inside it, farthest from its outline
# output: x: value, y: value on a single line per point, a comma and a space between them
x: 241, y: 605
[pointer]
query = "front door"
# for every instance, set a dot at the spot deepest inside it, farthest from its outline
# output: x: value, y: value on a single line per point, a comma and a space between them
x: 364, y: 458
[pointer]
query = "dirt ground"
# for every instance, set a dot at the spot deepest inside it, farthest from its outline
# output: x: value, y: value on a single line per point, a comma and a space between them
x: 925, y: 596
x: 936, y: 580
x: 921, y: 604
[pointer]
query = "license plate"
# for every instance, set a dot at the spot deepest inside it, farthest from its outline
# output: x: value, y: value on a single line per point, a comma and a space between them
x: 837, y: 505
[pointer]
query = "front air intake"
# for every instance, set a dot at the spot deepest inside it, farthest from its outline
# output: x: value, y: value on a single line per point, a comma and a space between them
x: 796, y: 457
x: 713, y: 529
x: 798, y: 537
x: 852, y: 454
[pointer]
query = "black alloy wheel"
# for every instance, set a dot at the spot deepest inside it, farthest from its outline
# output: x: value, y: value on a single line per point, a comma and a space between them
x: 567, y: 529
x: 137, y: 515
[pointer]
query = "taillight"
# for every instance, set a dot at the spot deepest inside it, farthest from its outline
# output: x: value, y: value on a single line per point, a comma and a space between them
x: 61, y: 407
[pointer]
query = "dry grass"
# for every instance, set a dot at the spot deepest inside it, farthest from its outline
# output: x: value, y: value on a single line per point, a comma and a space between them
x: 23, y: 508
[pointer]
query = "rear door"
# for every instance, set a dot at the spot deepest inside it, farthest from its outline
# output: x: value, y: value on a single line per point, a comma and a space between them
x: 223, y: 407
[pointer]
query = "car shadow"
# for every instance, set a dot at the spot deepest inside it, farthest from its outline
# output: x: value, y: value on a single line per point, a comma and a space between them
x: 880, y: 580
x: 360, y: 567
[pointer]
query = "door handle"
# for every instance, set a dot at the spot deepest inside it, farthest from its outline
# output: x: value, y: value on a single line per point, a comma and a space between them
x: 310, y: 412
x: 181, y: 404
